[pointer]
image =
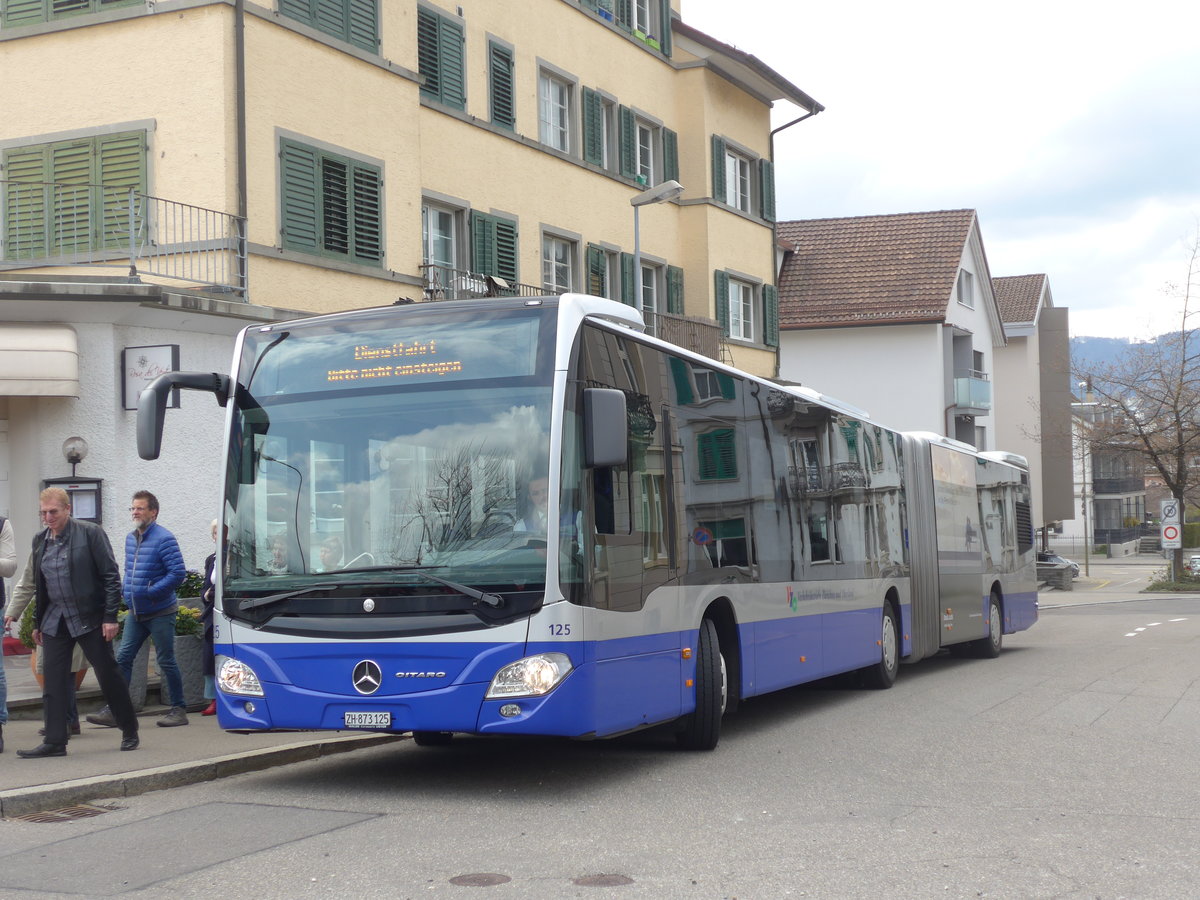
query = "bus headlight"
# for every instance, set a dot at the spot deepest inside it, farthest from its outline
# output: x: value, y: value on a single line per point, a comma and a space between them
x: 235, y: 677
x: 531, y: 676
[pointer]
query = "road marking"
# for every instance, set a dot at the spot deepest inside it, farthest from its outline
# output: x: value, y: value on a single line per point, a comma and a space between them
x: 1138, y: 631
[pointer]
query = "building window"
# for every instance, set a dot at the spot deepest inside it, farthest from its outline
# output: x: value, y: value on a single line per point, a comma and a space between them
x: 440, y: 42
x: 745, y: 311
x: 737, y: 181
x: 500, y: 73
x: 558, y: 264
x: 353, y: 21
x: 439, y: 232
x: 554, y: 112
x: 332, y: 205
x: 71, y: 196
x: 646, y: 152
x: 29, y: 12
x: 741, y: 310
x: 966, y: 288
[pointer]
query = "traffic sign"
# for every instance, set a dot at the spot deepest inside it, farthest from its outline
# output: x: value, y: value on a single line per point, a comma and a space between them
x: 1172, y: 533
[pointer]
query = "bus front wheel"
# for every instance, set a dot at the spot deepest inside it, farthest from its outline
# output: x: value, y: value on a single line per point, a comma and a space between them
x: 702, y: 728
x: 989, y: 647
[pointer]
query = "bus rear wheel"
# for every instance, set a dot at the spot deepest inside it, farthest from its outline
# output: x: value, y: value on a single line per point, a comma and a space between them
x: 882, y: 675
x: 702, y: 728
x: 989, y: 647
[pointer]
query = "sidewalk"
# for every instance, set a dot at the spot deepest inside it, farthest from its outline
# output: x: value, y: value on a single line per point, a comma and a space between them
x: 95, y: 768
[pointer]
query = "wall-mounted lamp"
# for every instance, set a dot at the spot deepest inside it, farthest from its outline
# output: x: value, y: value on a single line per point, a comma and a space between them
x: 74, y: 449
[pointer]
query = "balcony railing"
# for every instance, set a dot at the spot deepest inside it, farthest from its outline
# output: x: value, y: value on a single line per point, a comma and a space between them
x: 1126, y: 485
x: 972, y: 391
x: 843, y: 476
x: 444, y: 283
x: 693, y: 333
x: 48, y: 225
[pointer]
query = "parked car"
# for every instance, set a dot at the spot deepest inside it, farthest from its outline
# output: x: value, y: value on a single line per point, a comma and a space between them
x: 1055, y: 559
x: 1193, y: 565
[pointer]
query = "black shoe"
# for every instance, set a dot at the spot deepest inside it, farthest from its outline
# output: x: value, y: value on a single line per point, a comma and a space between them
x: 43, y: 750
x: 130, y: 742
x: 74, y: 729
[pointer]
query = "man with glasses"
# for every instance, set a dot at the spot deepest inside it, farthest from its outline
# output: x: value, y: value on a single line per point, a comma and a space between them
x: 154, y: 569
x: 78, y: 593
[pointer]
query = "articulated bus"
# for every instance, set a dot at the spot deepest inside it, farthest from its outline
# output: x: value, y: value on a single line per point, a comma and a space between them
x: 524, y: 516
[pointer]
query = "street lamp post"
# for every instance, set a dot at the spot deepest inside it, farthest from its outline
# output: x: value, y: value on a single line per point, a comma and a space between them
x: 660, y: 193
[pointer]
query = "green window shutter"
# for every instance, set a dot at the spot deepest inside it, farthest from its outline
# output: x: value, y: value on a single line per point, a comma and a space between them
x: 121, y: 168
x: 494, y: 246
x: 367, y: 199
x: 675, y: 290
x: 721, y: 296
x: 24, y: 12
x: 718, y: 168
x: 500, y: 71
x: 627, y: 138
x: 766, y: 187
x: 301, y: 219
x: 597, y: 271
x: 25, y: 204
x: 593, y: 127
x: 664, y: 39
x: 728, y: 386
x: 335, y: 205
x: 329, y: 16
x: 770, y: 315
x: 670, y: 145
x: 363, y: 24
x: 427, y: 53
x: 72, y: 217
x: 451, y: 41
x: 628, y: 281
x: 683, y: 384
x: 624, y: 13
x: 718, y: 455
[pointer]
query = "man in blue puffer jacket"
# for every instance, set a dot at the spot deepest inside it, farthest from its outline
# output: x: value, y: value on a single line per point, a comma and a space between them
x: 153, y: 570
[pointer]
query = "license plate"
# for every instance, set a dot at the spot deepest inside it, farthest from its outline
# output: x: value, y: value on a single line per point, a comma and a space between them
x: 368, y: 720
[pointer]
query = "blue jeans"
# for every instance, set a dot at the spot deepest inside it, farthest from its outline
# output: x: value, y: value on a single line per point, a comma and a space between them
x: 161, y: 630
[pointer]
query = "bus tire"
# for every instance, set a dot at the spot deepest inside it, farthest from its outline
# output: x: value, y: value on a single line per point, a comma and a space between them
x: 432, y: 738
x: 989, y: 647
x: 701, y: 729
x: 882, y: 675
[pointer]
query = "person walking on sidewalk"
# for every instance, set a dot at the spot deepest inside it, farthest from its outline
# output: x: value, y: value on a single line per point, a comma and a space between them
x: 153, y: 570
x: 78, y: 592
x: 8, y: 565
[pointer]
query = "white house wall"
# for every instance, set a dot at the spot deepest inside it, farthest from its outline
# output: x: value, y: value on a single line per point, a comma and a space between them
x: 893, y: 372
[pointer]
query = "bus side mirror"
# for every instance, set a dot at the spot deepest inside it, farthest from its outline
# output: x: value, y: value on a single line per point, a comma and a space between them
x: 152, y: 404
x: 605, y: 428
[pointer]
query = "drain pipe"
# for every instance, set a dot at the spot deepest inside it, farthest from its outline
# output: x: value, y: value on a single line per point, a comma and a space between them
x: 243, y: 206
x: 775, y: 224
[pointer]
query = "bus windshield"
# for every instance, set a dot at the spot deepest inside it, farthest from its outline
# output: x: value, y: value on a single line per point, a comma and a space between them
x: 391, y: 445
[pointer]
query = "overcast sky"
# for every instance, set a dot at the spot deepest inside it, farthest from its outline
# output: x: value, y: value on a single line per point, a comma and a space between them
x: 1072, y: 128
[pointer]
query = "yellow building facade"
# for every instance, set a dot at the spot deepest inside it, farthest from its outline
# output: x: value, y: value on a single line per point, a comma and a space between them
x: 337, y: 154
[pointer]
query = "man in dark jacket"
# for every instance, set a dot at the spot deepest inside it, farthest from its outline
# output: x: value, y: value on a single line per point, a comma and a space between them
x: 153, y: 570
x: 78, y: 592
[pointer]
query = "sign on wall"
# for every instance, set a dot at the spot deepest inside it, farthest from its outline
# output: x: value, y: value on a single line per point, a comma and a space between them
x: 141, y: 365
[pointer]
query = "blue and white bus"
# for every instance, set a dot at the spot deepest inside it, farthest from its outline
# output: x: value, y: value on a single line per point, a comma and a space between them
x: 527, y: 517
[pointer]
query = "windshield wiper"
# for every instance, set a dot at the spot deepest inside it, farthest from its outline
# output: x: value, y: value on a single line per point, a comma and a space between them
x: 495, y: 601
x: 248, y: 603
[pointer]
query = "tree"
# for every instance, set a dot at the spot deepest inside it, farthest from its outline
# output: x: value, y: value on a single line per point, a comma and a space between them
x: 1149, y: 399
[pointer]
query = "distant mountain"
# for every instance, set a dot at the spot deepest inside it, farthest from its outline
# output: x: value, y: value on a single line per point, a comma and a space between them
x: 1088, y: 353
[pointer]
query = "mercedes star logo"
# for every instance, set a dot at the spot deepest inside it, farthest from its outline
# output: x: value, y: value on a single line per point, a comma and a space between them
x: 367, y: 677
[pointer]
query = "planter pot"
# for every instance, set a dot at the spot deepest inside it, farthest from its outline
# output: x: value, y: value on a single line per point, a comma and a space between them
x: 189, y: 654
x: 33, y: 665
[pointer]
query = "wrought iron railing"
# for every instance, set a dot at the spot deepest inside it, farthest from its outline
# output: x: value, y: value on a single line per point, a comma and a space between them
x: 444, y: 283
x: 50, y: 225
x: 693, y: 333
x: 843, y: 476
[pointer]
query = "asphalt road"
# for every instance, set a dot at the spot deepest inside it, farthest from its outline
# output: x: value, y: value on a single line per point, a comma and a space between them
x: 1065, y: 768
